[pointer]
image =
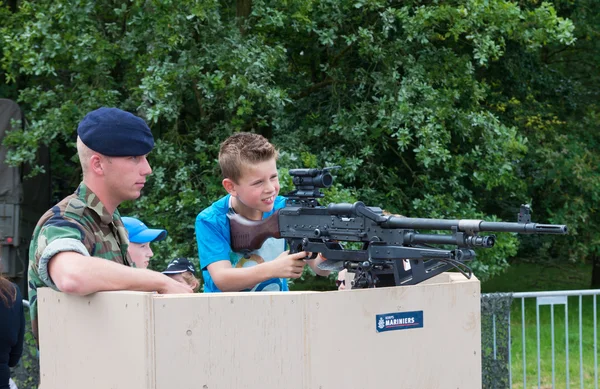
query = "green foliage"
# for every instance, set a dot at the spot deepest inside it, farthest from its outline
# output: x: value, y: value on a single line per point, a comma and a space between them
x: 403, y: 96
x: 551, y: 96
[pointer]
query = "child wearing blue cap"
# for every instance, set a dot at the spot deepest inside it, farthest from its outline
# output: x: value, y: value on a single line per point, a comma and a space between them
x: 140, y: 237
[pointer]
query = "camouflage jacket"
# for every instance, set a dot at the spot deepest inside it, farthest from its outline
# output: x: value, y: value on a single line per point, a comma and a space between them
x: 78, y: 223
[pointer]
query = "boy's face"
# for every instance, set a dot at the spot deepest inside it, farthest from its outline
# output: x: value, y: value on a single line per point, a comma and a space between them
x: 140, y: 254
x: 178, y: 277
x: 256, y: 189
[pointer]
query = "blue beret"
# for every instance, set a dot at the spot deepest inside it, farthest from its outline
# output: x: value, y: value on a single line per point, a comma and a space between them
x: 115, y: 133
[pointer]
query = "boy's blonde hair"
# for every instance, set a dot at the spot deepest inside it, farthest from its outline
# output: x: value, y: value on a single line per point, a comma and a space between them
x: 191, y: 281
x: 244, y: 148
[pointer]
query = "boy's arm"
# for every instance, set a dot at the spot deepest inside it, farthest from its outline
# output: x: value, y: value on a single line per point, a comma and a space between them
x: 78, y: 274
x: 230, y: 279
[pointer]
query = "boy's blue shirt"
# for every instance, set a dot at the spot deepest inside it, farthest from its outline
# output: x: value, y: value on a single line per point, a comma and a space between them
x: 214, y: 244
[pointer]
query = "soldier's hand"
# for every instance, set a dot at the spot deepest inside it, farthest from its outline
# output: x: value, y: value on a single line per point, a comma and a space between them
x: 171, y: 286
x: 288, y: 265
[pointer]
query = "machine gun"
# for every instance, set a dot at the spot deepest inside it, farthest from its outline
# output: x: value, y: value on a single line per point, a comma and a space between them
x: 393, y: 251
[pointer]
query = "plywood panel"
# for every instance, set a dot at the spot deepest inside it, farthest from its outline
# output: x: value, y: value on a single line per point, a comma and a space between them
x: 232, y: 340
x: 101, y: 341
x: 346, y: 351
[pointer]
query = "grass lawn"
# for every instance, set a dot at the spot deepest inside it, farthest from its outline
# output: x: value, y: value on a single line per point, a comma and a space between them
x: 526, y: 277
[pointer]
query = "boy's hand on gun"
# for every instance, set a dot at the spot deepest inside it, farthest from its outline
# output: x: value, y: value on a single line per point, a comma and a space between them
x: 288, y: 265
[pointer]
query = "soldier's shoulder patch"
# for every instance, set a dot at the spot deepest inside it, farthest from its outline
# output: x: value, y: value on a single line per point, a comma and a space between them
x: 75, y: 207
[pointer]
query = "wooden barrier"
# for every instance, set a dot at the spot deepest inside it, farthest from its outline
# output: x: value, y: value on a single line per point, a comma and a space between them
x: 422, y: 336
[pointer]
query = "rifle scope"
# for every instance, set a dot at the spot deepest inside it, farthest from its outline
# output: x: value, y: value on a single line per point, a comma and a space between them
x: 316, y: 178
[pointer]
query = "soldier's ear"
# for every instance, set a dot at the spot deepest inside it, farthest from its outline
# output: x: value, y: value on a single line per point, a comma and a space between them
x: 96, y: 164
x: 229, y: 186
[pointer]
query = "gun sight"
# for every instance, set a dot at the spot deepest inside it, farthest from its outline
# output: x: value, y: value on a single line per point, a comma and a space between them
x: 312, y: 178
x: 308, y: 183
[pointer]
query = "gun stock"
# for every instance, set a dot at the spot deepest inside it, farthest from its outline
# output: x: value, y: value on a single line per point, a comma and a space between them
x: 248, y: 235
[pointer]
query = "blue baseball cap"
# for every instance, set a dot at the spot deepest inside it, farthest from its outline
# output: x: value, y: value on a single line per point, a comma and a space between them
x: 115, y: 133
x: 180, y: 265
x: 140, y: 233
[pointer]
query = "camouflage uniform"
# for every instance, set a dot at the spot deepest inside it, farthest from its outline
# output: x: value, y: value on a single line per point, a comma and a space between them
x: 81, y: 224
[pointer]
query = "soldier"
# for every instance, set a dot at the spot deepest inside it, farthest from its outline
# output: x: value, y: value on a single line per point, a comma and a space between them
x: 79, y: 246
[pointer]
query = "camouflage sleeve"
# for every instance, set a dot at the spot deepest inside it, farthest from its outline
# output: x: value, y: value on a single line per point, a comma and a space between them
x: 55, y: 247
x: 54, y: 238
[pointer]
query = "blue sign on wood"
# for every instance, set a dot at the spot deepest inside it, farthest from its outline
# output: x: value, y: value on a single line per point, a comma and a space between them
x: 399, y: 321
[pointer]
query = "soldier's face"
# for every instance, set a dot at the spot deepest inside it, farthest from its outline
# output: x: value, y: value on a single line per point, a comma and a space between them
x: 126, y: 176
x: 140, y: 254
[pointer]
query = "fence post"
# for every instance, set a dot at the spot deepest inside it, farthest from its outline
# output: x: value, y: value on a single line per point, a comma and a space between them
x: 495, y: 340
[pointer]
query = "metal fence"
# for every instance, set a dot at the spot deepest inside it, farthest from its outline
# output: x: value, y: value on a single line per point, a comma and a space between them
x: 504, y: 341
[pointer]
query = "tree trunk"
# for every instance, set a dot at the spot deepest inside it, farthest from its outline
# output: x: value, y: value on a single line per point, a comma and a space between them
x: 243, y: 9
x: 595, y: 271
x: 12, y: 5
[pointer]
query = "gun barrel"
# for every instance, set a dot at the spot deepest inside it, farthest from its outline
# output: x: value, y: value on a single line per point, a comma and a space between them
x: 524, y: 228
x: 464, y: 241
x: 472, y: 225
x: 419, y: 223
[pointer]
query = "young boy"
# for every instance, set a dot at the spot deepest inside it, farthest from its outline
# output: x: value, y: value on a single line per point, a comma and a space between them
x: 140, y: 237
x: 249, y: 166
x: 182, y: 270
